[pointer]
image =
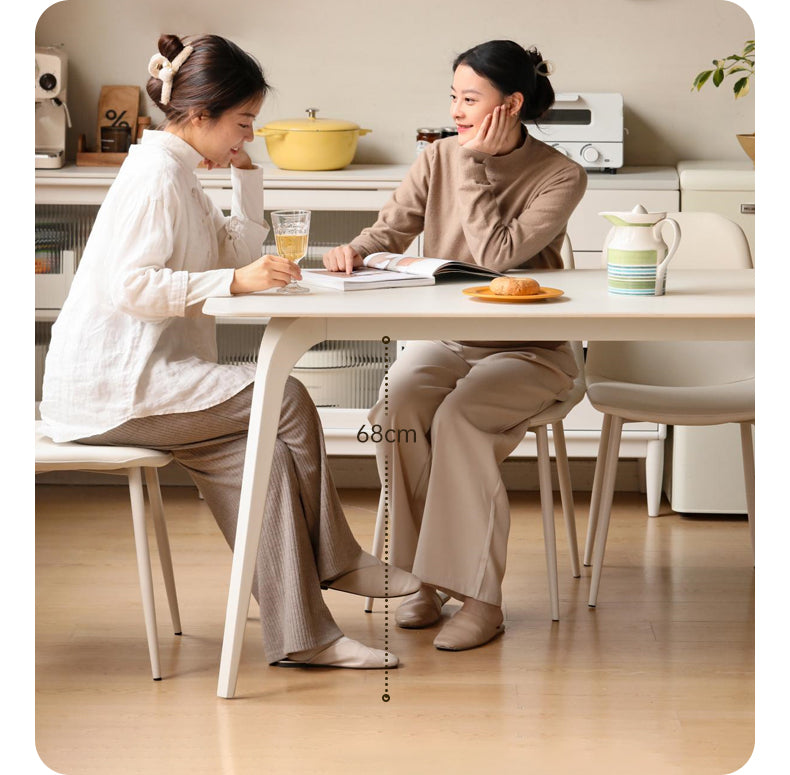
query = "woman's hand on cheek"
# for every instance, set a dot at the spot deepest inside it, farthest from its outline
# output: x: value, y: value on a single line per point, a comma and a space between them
x: 265, y: 272
x: 493, y: 135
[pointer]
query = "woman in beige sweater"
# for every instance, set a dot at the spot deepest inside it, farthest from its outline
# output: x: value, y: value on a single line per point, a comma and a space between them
x: 496, y: 197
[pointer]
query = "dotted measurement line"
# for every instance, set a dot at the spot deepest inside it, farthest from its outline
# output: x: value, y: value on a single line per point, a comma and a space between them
x: 386, y: 696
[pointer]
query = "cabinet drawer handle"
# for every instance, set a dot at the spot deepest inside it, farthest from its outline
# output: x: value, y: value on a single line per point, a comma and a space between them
x: 747, y: 209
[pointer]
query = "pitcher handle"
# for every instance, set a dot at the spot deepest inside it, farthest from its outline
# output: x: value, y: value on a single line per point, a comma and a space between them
x: 661, y: 269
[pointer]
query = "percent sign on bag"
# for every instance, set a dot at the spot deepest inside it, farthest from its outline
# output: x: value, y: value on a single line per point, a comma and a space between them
x: 118, y: 106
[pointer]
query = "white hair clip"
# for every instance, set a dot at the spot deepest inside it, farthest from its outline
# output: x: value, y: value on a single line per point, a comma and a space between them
x: 159, y: 66
x: 545, y: 68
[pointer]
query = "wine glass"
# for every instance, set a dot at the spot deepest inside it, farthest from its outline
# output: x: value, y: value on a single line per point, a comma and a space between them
x: 291, y: 230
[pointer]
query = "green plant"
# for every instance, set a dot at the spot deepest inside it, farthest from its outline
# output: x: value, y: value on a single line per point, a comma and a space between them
x: 731, y: 65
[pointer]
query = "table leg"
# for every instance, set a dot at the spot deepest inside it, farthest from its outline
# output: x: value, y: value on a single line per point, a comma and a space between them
x: 283, y: 342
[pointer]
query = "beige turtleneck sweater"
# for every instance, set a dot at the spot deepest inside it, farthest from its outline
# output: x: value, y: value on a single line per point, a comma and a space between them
x: 501, y: 212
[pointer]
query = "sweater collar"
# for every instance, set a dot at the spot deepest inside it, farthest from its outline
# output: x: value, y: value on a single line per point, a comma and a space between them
x: 505, y: 166
x: 174, y: 145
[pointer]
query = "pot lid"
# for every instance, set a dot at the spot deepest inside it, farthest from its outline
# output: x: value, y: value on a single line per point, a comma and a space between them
x: 639, y: 216
x: 312, y: 124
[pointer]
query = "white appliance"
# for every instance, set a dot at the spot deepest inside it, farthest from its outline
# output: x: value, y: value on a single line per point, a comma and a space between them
x: 725, y: 187
x: 707, y: 467
x: 586, y: 126
x: 52, y: 113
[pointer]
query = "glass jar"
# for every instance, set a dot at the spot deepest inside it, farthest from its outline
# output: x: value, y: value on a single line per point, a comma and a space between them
x: 427, y: 135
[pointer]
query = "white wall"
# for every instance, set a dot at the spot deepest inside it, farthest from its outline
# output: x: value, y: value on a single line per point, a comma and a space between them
x: 386, y: 65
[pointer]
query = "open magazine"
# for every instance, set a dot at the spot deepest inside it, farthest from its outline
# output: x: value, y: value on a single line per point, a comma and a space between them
x: 394, y: 270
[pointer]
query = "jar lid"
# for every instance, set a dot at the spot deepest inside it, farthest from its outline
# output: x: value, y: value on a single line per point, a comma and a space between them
x: 312, y: 124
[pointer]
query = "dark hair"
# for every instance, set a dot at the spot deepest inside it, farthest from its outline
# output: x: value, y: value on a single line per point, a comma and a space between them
x: 511, y: 68
x: 215, y: 77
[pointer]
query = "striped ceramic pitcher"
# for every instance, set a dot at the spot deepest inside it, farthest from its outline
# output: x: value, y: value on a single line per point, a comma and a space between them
x: 636, y: 254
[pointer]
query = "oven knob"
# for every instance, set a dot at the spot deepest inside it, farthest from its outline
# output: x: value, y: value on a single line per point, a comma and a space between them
x: 590, y: 153
x: 560, y: 149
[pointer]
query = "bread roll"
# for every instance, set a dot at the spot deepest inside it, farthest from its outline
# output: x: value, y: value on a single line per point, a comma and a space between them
x: 514, y: 286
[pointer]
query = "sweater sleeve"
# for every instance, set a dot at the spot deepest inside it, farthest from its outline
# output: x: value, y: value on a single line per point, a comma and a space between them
x: 403, y: 216
x: 499, y: 244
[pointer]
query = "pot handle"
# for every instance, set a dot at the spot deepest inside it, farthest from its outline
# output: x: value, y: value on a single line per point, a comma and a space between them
x: 364, y: 132
x: 263, y: 132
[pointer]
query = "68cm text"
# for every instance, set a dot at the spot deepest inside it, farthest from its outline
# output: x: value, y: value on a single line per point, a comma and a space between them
x: 377, y: 434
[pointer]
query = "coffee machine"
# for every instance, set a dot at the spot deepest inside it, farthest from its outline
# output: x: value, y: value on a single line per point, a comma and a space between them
x: 52, y: 114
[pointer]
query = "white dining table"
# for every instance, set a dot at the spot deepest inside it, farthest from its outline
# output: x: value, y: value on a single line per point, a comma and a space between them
x: 698, y: 305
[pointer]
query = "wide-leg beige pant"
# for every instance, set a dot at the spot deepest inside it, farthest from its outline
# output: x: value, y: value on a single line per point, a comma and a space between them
x: 305, y: 538
x: 448, y: 508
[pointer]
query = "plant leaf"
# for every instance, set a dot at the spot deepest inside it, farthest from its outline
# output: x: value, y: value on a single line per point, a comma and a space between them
x: 718, y: 76
x: 741, y: 87
x: 701, y: 78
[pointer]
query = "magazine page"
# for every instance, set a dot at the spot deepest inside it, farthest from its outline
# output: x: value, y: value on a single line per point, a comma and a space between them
x: 425, y: 267
x: 396, y: 262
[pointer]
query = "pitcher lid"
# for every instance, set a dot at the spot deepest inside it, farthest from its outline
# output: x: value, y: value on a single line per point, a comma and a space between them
x: 639, y: 216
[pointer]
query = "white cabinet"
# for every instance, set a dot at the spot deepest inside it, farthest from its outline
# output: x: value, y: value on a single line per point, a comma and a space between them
x: 725, y: 187
x: 344, y: 376
x: 706, y: 469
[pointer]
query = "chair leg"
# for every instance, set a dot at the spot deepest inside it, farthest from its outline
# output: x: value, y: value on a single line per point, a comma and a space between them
x: 566, y: 495
x: 163, y: 543
x: 747, y: 450
x: 595, y: 496
x: 654, y: 475
x: 378, y: 544
x: 144, y: 568
x: 605, y: 507
x: 547, y: 508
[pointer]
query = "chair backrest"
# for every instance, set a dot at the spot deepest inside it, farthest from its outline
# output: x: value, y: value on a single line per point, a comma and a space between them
x: 707, y: 241
x: 566, y: 252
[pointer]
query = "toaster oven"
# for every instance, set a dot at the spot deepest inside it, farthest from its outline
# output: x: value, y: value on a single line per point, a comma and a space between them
x: 586, y: 126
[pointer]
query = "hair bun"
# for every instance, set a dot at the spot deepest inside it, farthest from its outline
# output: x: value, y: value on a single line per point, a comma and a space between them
x: 170, y: 46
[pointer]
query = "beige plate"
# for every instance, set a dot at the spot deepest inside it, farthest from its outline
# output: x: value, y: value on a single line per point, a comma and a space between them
x: 484, y: 293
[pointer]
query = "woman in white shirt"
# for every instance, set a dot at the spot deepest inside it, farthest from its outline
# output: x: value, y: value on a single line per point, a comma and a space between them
x: 133, y: 360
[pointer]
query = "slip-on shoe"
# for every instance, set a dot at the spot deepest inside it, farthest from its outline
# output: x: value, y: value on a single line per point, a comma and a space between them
x: 348, y: 653
x: 375, y: 580
x: 467, y: 631
x: 421, y: 610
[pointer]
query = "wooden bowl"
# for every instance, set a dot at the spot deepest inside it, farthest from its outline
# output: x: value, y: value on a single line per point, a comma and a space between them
x: 747, y: 143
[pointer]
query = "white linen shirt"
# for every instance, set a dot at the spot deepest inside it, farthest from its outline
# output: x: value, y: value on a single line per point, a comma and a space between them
x: 131, y: 339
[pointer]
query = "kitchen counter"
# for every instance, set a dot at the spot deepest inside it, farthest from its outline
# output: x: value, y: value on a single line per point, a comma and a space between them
x: 89, y: 184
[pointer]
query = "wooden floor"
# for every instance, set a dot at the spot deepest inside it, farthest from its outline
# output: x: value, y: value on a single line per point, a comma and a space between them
x: 657, y: 679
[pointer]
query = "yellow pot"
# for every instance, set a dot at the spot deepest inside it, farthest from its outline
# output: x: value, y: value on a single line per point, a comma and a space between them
x: 311, y: 143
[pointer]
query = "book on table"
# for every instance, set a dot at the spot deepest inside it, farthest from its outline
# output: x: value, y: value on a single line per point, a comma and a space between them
x: 394, y: 270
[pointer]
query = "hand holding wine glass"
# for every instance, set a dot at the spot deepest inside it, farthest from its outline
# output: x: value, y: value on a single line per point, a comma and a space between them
x: 291, y: 233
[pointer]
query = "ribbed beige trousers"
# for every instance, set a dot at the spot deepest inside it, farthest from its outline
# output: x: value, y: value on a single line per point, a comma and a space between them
x: 468, y: 406
x: 305, y: 538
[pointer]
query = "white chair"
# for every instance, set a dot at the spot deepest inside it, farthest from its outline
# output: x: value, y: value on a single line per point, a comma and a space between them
x: 131, y: 461
x: 676, y: 383
x: 553, y: 416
